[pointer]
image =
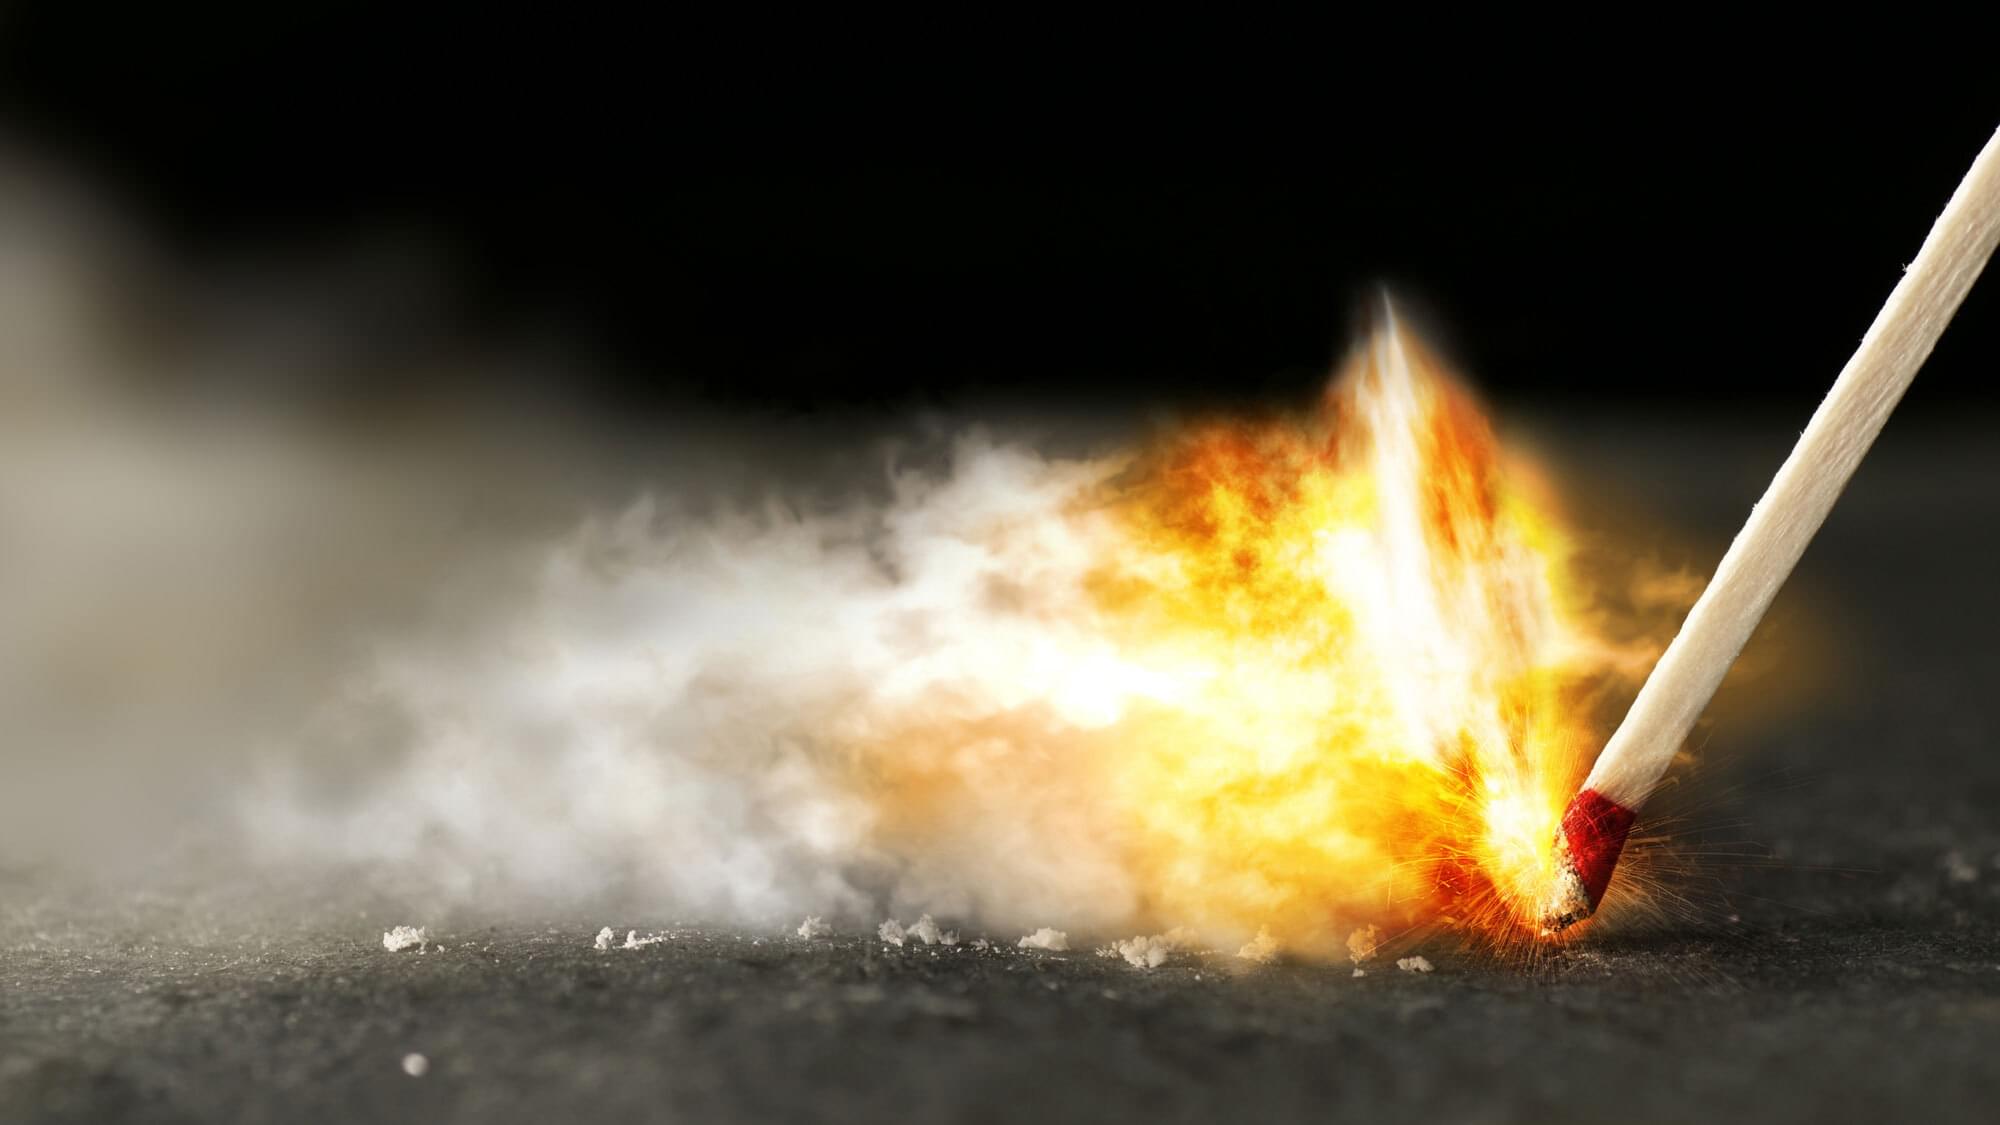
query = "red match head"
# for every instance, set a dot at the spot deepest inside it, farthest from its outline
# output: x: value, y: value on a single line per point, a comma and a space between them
x: 1593, y: 834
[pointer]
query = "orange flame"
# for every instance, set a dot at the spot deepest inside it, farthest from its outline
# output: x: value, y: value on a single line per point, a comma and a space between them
x: 1301, y: 675
x: 1364, y: 614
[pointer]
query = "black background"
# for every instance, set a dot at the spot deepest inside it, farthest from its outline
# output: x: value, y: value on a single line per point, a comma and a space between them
x: 828, y: 225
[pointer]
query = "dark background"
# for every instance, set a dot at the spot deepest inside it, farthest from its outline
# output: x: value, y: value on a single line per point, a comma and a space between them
x: 830, y: 223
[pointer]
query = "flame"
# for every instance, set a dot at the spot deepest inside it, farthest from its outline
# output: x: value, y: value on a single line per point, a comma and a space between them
x: 1291, y: 676
x: 1345, y: 671
x: 1369, y: 668
x: 1298, y: 675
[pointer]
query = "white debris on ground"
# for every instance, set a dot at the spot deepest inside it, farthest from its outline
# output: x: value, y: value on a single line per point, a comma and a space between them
x: 923, y: 929
x: 927, y: 932
x: 981, y: 943
x: 1362, y: 944
x: 404, y: 937
x: 1263, y: 950
x: 812, y: 927
x: 1359, y: 971
x: 634, y: 941
x: 1413, y: 964
x: 605, y: 937
x: 1055, y: 941
x: 1149, y: 951
x: 1143, y: 952
x: 1959, y: 869
x: 415, y: 1065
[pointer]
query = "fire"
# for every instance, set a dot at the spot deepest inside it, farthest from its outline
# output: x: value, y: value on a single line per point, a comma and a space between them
x: 1365, y: 667
x: 1294, y: 676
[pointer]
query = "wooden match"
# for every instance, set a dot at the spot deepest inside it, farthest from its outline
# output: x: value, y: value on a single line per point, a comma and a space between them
x: 1782, y: 523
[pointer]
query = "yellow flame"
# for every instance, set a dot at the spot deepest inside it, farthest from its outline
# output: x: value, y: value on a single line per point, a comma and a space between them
x: 1325, y: 673
x: 1364, y: 616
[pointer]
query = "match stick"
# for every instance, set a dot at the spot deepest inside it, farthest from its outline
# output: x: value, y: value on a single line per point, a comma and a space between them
x: 1595, y: 825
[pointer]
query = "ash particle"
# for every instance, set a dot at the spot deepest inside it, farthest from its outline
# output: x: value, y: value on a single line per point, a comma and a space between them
x: 1362, y: 943
x: 604, y: 938
x: 416, y: 1065
x: 927, y: 931
x: 405, y: 937
x: 1263, y: 950
x: 1055, y: 941
x: 1146, y: 952
x: 891, y: 932
x: 1413, y: 964
x: 812, y: 927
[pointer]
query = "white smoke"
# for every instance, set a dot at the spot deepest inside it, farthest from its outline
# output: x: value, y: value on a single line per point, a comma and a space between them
x: 506, y: 656
x: 501, y: 655
x: 676, y: 703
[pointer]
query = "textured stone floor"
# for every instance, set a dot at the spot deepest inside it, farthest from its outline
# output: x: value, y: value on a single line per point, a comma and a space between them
x: 1837, y: 957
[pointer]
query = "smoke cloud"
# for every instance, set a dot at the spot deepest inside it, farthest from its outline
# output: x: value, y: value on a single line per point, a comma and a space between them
x: 451, y: 632
x: 508, y: 654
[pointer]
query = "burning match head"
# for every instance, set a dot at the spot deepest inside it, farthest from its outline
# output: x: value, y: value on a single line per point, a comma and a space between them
x: 1570, y: 901
x: 1587, y: 848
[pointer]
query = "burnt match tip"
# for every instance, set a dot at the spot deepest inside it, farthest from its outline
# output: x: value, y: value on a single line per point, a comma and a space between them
x: 1587, y: 849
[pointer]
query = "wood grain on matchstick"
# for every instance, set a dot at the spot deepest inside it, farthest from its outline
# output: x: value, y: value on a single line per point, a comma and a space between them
x: 1784, y: 521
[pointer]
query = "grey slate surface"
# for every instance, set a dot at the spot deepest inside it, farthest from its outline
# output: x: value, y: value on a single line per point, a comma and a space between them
x: 1838, y: 958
